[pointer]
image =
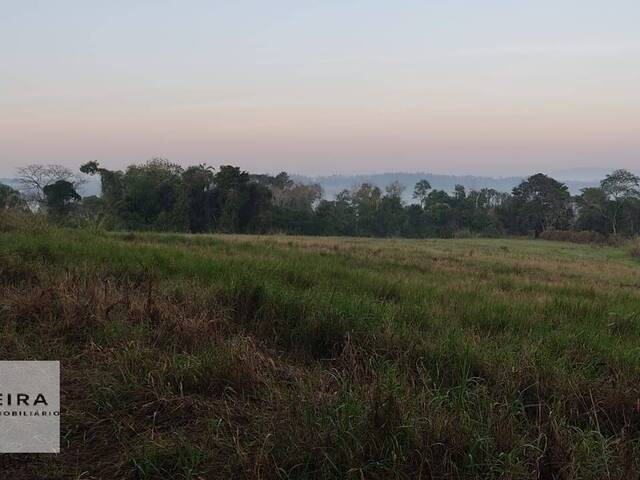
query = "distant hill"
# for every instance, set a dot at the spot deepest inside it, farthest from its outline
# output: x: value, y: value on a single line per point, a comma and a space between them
x: 8, y: 181
x: 587, y: 174
x: 335, y: 183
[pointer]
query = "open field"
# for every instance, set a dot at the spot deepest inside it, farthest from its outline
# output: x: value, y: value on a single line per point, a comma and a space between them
x: 298, y: 357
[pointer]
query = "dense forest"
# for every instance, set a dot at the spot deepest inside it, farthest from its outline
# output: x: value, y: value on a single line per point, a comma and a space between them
x: 163, y: 196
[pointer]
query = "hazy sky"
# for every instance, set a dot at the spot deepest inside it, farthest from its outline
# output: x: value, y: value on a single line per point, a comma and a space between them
x: 327, y: 86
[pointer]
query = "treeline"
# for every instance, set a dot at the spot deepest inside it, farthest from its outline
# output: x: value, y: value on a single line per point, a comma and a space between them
x: 160, y: 195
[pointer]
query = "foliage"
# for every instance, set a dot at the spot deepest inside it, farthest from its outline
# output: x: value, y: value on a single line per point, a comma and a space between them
x: 421, y: 191
x: 33, y: 179
x: 59, y: 197
x: 538, y: 204
x: 163, y: 196
x: 11, y: 198
x: 622, y: 188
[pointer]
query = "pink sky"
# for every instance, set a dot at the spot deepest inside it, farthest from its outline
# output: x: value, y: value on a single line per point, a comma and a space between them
x: 322, y: 87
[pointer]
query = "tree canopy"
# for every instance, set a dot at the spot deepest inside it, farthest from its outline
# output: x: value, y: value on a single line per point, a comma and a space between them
x: 161, y: 195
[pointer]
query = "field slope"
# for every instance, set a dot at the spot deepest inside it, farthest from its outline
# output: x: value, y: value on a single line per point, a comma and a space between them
x: 292, y: 357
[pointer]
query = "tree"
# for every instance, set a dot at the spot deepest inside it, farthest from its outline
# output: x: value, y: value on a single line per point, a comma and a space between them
x: 255, y: 209
x: 621, y: 187
x: 460, y: 192
x: 334, y: 218
x: 34, y: 178
x: 161, y: 195
x: 416, y: 222
x: 198, y: 184
x: 395, y: 189
x: 151, y: 196
x: 421, y: 191
x: 10, y: 198
x: 621, y: 184
x: 537, y: 204
x: 366, y: 201
x: 493, y: 198
x: 593, y: 210
x: 440, y: 213
x: 60, y: 197
x: 283, y: 181
x: 296, y: 196
x: 337, y: 217
x: 390, y: 214
x: 111, y: 185
x: 241, y: 205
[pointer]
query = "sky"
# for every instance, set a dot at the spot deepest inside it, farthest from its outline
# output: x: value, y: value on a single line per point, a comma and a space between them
x: 321, y: 87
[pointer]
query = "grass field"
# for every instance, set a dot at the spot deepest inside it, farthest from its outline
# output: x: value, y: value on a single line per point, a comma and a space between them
x: 292, y: 357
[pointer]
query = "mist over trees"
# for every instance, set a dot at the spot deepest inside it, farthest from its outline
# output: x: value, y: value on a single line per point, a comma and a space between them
x: 334, y: 184
x: 164, y: 196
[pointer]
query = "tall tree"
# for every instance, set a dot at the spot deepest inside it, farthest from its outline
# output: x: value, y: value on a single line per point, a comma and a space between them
x: 537, y: 204
x: 366, y: 201
x: 391, y: 214
x: 198, y: 183
x: 421, y: 191
x: 395, y: 189
x: 440, y: 212
x: 241, y: 204
x: 621, y: 187
x: 593, y: 210
x: 34, y: 178
x: 60, y: 197
x: 151, y: 196
x: 111, y: 182
x: 337, y: 217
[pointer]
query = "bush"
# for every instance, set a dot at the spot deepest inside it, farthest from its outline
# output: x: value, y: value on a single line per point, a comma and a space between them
x: 634, y: 249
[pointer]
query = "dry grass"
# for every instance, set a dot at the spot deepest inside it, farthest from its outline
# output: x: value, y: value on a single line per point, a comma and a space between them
x: 290, y: 357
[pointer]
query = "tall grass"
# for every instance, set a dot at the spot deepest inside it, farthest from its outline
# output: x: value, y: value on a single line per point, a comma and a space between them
x: 281, y: 357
